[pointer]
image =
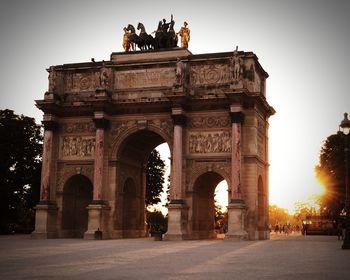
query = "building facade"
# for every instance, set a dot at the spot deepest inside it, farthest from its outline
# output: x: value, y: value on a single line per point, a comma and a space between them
x: 103, y: 119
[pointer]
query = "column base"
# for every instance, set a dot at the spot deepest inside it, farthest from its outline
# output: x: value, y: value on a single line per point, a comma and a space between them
x: 178, y: 220
x: 236, y: 211
x: 97, y: 211
x: 45, y: 220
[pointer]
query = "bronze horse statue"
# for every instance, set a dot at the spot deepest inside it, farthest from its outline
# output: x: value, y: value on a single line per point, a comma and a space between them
x: 146, y: 41
x: 133, y: 37
x: 165, y: 36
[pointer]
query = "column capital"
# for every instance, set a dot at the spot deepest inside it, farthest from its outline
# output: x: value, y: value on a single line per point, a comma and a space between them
x: 50, y: 125
x: 101, y: 123
x: 237, y: 117
x: 179, y: 119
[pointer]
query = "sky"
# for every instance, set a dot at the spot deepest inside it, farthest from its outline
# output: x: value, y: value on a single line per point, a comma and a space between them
x: 303, y: 45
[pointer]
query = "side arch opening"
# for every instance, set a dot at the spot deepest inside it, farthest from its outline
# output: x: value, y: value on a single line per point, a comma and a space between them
x: 77, y: 195
x: 203, y: 215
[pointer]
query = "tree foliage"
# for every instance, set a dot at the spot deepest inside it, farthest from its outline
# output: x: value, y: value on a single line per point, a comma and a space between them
x: 331, y: 172
x: 278, y: 215
x: 20, y: 167
x: 221, y: 218
x: 303, y: 210
x: 155, y: 178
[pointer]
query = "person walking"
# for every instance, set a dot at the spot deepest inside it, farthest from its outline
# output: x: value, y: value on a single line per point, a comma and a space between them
x: 340, y: 231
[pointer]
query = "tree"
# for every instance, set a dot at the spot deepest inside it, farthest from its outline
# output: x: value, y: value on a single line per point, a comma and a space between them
x: 331, y: 172
x: 302, y: 211
x: 278, y: 215
x: 155, y: 178
x: 221, y: 218
x: 20, y: 168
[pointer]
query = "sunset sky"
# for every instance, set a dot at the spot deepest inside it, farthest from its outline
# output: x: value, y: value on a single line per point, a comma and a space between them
x: 303, y: 45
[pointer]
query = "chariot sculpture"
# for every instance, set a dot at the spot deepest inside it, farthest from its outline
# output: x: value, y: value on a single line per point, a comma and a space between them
x: 165, y: 36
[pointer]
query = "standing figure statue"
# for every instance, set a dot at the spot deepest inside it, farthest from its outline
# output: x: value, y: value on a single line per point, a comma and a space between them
x: 180, y: 72
x: 52, y: 79
x: 126, y: 41
x: 104, y: 78
x: 185, y: 35
x: 236, y: 64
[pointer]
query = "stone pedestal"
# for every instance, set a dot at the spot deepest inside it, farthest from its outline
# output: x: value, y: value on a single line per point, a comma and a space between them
x: 236, y: 211
x: 96, y: 212
x: 264, y: 234
x: 45, y: 221
x: 177, y: 222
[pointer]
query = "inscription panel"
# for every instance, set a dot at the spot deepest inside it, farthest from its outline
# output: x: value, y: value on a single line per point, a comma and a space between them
x: 163, y: 77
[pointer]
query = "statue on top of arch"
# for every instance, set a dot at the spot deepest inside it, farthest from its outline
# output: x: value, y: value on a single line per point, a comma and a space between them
x: 165, y: 36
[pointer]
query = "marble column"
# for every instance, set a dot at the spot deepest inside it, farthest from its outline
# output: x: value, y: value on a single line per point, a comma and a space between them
x: 236, y: 207
x: 178, y: 218
x: 98, y: 207
x: 176, y: 191
x: 99, y: 158
x: 46, y: 210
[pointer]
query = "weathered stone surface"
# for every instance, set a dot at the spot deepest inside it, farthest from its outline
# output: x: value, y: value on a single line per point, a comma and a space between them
x: 110, y: 115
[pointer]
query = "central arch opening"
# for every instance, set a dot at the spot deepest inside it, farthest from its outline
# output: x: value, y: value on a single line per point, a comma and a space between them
x: 204, y: 210
x: 133, y: 156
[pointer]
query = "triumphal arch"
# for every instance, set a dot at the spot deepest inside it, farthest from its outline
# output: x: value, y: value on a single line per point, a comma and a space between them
x: 103, y: 119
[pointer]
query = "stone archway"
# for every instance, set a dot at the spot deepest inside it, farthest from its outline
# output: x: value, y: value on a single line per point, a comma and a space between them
x: 77, y: 195
x: 203, y: 224
x: 132, y: 157
x: 212, y: 122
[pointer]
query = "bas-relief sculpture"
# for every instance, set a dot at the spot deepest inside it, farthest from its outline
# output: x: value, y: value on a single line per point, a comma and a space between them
x: 209, y: 142
x: 78, y: 146
x: 152, y: 101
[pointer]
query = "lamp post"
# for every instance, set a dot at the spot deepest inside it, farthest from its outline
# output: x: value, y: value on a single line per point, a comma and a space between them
x: 344, y: 128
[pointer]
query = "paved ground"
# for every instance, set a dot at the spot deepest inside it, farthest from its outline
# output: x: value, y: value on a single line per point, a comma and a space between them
x: 293, y: 257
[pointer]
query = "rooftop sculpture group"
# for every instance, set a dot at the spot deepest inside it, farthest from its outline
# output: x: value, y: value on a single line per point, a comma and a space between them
x: 165, y: 36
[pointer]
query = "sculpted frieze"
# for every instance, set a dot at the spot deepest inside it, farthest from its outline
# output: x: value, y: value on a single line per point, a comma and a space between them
x: 209, y: 122
x: 77, y: 147
x: 209, y: 74
x: 209, y: 142
x: 160, y: 77
x: 81, y: 127
x: 84, y: 82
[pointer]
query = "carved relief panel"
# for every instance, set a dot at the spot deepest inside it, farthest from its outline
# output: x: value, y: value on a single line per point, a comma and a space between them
x: 209, y: 135
x: 212, y: 142
x: 209, y: 122
x: 209, y: 74
x: 160, y: 77
x: 80, y: 82
x: 261, y: 138
x: 77, y: 147
x: 77, y: 141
